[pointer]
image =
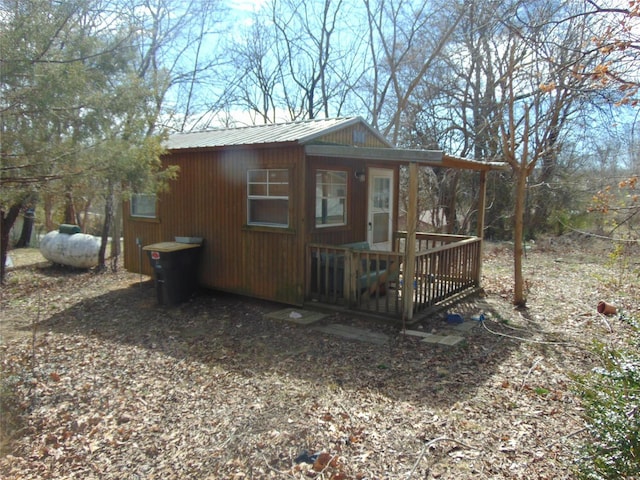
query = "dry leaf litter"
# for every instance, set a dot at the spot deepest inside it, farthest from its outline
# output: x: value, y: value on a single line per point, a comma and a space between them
x: 110, y: 385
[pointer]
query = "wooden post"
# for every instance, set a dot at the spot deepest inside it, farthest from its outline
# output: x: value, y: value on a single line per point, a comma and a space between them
x: 482, y: 201
x: 410, y: 245
x: 350, y: 277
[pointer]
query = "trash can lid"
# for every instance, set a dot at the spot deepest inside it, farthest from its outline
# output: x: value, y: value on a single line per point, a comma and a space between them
x: 170, y: 246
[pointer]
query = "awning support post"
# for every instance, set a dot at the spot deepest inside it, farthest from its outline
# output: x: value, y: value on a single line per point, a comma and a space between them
x: 410, y: 245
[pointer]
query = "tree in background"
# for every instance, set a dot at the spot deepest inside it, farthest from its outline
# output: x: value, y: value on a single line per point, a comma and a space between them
x: 297, y: 60
x: 260, y: 72
x: 618, y: 46
x: 484, y: 79
x: 181, y: 54
x: 619, y: 205
x: 455, y: 107
x: 406, y: 40
x: 615, y: 75
x: 69, y: 99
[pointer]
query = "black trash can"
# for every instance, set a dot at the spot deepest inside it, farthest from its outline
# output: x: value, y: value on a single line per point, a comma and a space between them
x: 175, y: 270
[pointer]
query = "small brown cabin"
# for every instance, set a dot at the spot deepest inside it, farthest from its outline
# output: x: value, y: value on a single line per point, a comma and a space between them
x: 305, y: 212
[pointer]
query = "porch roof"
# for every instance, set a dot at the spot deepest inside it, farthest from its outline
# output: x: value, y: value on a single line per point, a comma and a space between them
x: 427, y: 158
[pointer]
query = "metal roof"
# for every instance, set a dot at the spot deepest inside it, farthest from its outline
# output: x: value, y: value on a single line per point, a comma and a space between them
x: 300, y: 132
x: 306, y: 131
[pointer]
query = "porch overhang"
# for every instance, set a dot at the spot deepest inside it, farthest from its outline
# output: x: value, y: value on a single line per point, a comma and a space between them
x: 426, y: 158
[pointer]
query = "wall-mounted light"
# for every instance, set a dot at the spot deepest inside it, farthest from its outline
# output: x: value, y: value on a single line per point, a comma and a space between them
x: 360, y: 175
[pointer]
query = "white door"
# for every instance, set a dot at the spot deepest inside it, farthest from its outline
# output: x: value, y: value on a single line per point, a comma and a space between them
x: 380, y: 221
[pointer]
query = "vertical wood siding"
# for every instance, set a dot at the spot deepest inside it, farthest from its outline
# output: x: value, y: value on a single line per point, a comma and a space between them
x: 353, y: 136
x: 148, y: 231
x: 208, y: 200
x: 358, y: 201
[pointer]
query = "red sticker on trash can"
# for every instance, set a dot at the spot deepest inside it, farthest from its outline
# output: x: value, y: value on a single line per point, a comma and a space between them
x: 155, y: 255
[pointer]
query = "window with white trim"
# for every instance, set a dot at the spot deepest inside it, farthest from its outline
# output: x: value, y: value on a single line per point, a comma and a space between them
x: 268, y: 197
x: 331, y: 198
x: 143, y: 205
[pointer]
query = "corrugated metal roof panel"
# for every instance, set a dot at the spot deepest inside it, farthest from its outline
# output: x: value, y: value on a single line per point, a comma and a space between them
x: 299, y: 132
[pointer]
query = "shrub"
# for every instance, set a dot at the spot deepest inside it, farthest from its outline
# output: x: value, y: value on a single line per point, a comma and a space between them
x: 611, y: 398
x: 10, y: 411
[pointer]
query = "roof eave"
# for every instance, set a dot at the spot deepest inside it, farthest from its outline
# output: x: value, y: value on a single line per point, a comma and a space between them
x: 427, y: 158
x: 423, y: 157
x: 469, y: 164
x: 244, y: 146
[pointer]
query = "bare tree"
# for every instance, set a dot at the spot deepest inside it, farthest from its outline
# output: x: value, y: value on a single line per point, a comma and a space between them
x: 406, y: 40
x: 259, y: 69
x: 541, y: 94
x: 174, y: 55
x: 617, y: 44
x: 307, y: 52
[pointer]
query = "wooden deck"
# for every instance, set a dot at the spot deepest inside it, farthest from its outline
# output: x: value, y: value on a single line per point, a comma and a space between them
x: 446, y: 267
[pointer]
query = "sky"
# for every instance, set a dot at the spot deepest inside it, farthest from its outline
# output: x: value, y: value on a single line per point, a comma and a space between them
x: 246, y: 5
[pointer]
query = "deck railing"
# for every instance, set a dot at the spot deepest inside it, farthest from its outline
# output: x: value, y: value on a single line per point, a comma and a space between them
x: 446, y: 271
x: 344, y: 276
x: 426, y: 241
x: 445, y: 266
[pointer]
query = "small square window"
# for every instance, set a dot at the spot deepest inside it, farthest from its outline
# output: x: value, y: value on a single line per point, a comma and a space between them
x: 268, y: 197
x: 143, y: 205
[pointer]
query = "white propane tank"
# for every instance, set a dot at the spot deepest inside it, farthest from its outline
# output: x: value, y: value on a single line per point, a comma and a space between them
x: 76, y: 250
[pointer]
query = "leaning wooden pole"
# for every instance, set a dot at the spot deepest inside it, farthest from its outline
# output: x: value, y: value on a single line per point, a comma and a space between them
x: 482, y: 203
x: 482, y: 206
x: 410, y: 245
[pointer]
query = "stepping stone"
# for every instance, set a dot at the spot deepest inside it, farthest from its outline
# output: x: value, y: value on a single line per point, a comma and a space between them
x: 430, y: 338
x: 354, y: 333
x: 417, y: 333
x: 427, y: 337
x: 296, y: 315
x: 451, y: 340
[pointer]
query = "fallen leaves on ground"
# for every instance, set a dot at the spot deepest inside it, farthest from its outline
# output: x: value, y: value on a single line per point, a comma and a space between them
x: 107, y: 384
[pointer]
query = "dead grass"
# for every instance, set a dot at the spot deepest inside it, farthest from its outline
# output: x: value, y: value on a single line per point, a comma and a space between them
x: 115, y: 386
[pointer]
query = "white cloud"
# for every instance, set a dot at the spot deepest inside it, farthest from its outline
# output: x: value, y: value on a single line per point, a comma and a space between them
x: 247, y: 5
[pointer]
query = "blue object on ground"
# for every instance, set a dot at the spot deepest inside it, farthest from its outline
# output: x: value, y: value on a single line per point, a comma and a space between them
x: 454, y: 318
x: 304, y: 457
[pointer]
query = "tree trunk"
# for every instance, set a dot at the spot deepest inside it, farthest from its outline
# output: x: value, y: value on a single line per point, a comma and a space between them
x: 69, y: 209
x: 48, y: 213
x: 519, y: 298
x: 7, y: 219
x: 82, y: 219
x: 106, y: 227
x: 115, y: 240
x: 27, y: 228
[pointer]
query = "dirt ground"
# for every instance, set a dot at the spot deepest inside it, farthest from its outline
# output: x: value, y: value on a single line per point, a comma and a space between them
x: 98, y: 381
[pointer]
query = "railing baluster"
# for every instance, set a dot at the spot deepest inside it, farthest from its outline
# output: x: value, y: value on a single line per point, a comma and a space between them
x: 445, y: 265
